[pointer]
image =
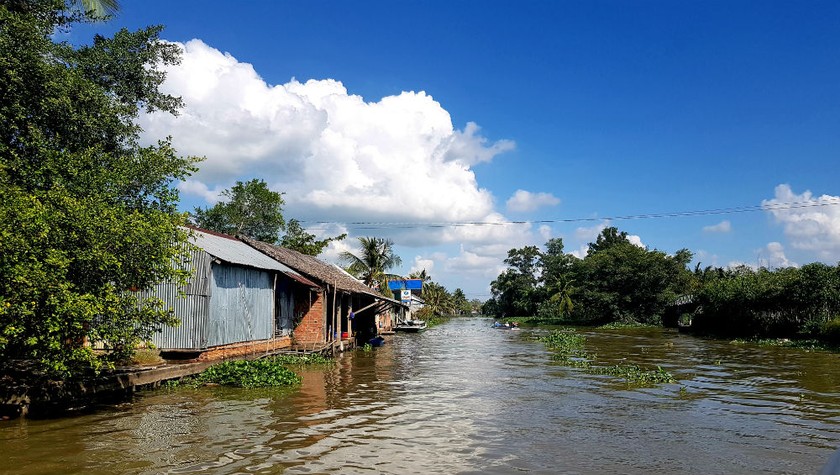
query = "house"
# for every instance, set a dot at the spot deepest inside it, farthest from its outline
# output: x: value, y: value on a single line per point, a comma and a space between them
x: 352, y: 308
x: 238, y: 301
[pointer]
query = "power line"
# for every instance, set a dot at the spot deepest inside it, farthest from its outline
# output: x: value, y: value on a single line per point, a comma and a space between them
x: 676, y: 214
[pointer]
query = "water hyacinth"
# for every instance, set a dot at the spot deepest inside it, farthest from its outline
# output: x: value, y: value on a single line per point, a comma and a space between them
x: 567, y: 347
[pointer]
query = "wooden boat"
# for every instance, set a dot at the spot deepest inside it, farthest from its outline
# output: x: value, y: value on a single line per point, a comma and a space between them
x: 411, y: 326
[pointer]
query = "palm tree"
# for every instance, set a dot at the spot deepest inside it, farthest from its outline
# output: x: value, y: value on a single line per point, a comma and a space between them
x: 437, y: 301
x: 563, y: 296
x: 373, y: 262
x: 422, y: 275
x: 100, y: 8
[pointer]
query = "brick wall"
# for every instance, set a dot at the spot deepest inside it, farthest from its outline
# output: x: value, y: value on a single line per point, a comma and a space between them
x: 311, y: 327
x: 240, y: 350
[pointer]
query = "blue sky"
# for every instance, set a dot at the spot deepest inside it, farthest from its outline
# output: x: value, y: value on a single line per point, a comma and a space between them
x: 419, y: 112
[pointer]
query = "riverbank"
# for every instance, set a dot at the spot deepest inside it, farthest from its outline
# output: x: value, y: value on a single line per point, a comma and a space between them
x: 26, y: 393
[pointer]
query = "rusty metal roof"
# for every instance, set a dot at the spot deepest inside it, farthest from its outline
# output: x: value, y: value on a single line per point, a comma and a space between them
x: 316, y: 269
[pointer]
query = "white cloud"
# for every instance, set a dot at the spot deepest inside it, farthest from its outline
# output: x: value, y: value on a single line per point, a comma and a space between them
x: 423, y: 263
x: 336, y: 156
x: 342, y: 159
x: 773, y: 256
x: 722, y: 227
x: 810, y: 223
x: 545, y: 232
x: 523, y: 201
x: 636, y: 240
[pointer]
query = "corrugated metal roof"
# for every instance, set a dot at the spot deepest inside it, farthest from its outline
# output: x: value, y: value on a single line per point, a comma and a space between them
x: 234, y: 251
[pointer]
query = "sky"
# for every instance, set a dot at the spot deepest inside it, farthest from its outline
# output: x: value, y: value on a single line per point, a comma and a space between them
x: 461, y: 130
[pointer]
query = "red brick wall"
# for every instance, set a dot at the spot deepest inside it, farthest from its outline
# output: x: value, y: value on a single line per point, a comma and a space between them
x: 311, y: 327
x: 239, y: 350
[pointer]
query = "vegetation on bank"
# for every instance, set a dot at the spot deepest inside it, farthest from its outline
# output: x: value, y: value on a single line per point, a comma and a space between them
x: 619, y: 283
x: 568, y: 348
x: 88, y: 215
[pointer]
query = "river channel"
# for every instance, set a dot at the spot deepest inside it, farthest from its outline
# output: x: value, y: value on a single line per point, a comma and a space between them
x: 464, y: 398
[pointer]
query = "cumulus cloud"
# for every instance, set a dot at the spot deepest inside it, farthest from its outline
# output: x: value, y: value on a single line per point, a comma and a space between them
x: 773, y: 256
x: 364, y: 165
x: 722, y: 227
x: 336, y: 156
x: 523, y: 201
x: 810, y: 223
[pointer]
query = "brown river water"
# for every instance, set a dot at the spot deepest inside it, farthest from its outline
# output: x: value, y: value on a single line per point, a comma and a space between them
x: 464, y: 398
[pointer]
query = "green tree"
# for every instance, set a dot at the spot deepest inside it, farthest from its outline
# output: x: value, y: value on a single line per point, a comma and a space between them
x: 437, y: 301
x: 515, y: 290
x: 374, y: 261
x: 296, y: 238
x: 460, y: 305
x: 87, y: 213
x: 248, y: 209
x: 100, y: 8
x: 620, y: 281
x: 422, y: 275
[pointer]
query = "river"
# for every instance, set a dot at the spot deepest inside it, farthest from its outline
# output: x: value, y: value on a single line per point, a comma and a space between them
x: 464, y: 398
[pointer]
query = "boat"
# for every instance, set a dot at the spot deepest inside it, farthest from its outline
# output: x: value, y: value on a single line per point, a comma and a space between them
x: 506, y: 326
x: 378, y: 340
x: 411, y: 326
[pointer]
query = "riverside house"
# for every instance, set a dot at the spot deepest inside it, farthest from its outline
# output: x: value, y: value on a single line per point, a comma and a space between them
x: 354, y: 311
x: 238, y: 302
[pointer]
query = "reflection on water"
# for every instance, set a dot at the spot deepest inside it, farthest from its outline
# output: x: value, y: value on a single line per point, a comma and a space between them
x: 463, y: 398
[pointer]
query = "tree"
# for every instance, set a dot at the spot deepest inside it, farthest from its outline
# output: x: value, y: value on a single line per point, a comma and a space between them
x: 515, y: 290
x: 422, y: 275
x: 373, y: 262
x: 249, y: 209
x: 624, y: 282
x: 100, y: 8
x: 296, y: 238
x: 87, y: 213
x: 437, y: 301
x: 460, y: 305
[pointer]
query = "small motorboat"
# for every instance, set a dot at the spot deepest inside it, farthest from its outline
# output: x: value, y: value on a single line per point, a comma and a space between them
x: 506, y: 326
x: 411, y: 326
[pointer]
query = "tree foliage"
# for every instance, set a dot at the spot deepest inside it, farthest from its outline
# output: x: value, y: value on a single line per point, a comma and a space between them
x: 87, y: 213
x: 787, y: 302
x: 373, y: 262
x: 296, y: 238
x: 616, y: 281
x: 249, y: 209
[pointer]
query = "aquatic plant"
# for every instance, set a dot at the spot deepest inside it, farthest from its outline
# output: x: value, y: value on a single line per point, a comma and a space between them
x: 624, y: 326
x: 567, y: 347
x: 261, y: 373
x: 635, y: 374
x: 302, y: 360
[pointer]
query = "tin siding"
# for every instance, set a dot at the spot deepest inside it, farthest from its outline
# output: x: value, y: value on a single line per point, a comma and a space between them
x: 241, y: 306
x: 191, y: 309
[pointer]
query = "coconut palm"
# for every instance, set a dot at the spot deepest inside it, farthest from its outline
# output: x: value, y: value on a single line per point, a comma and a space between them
x: 373, y: 262
x: 562, y: 296
x: 437, y: 300
x: 422, y: 275
x: 100, y: 8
